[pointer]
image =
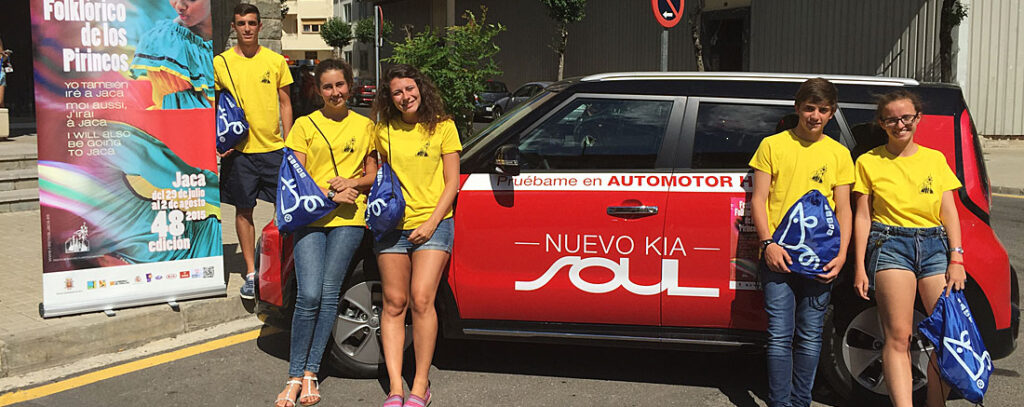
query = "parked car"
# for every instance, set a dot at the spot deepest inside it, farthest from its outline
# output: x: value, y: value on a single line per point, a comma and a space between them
x: 524, y: 93
x: 483, y: 102
x: 363, y: 91
x: 622, y: 202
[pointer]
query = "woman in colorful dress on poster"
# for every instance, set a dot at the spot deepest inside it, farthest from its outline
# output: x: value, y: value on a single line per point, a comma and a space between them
x: 334, y: 144
x: 420, y: 142
x: 907, y: 237
x: 176, y: 57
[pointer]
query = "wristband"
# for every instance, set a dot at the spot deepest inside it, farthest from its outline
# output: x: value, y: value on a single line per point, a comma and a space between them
x: 331, y: 194
x: 956, y: 262
x: 766, y: 242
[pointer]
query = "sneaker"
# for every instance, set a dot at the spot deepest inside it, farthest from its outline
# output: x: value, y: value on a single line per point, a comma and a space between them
x: 248, y: 290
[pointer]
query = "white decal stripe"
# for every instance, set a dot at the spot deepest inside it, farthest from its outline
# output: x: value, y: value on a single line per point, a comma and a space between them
x: 693, y: 292
x: 528, y: 243
x: 708, y: 249
x: 738, y: 182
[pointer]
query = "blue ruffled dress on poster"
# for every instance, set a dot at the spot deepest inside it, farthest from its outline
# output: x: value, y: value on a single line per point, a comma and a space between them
x: 179, y: 65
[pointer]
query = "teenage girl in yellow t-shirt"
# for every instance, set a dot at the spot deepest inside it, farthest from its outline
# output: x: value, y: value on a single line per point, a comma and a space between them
x: 907, y: 237
x: 334, y: 145
x: 419, y: 141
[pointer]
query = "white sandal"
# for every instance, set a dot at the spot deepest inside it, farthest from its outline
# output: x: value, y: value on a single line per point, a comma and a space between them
x: 305, y: 388
x: 287, y: 392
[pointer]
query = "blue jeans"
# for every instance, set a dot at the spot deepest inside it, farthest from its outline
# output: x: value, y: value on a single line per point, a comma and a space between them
x: 796, y: 310
x: 322, y: 256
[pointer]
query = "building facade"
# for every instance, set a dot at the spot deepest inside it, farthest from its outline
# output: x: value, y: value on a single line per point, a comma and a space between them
x: 300, y: 29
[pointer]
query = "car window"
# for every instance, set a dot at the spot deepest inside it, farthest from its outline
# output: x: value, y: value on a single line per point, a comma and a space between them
x: 523, y: 91
x: 535, y: 89
x: 866, y: 133
x: 493, y: 86
x: 591, y: 133
x: 727, y: 134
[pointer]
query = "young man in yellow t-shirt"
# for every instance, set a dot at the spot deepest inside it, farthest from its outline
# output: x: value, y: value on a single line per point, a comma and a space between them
x: 786, y: 166
x: 259, y: 79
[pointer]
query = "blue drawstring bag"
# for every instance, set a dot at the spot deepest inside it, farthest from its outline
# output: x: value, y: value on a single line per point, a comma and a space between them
x: 962, y: 359
x: 231, y: 124
x: 299, y: 200
x: 810, y: 234
x: 385, y: 205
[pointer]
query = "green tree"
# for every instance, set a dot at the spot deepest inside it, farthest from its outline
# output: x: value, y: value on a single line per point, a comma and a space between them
x: 458, y: 59
x: 364, y: 30
x: 564, y: 12
x: 337, y: 34
x: 953, y: 12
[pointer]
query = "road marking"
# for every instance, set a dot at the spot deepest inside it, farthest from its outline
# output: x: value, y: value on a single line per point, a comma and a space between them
x: 1008, y: 196
x: 110, y: 372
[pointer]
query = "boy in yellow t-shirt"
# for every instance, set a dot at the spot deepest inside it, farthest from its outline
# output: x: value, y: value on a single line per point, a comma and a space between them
x: 259, y: 79
x: 786, y: 166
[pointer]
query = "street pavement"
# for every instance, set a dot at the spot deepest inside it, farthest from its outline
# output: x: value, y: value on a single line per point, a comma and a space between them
x: 470, y: 373
x: 29, y: 343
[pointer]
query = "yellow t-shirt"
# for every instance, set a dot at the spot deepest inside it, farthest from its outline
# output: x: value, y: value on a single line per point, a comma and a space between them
x: 797, y: 167
x: 351, y: 140
x: 415, y: 156
x: 256, y: 83
x: 907, y: 191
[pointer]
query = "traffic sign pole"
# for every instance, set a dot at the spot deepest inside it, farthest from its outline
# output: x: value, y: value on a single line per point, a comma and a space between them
x: 668, y: 13
x: 664, y: 50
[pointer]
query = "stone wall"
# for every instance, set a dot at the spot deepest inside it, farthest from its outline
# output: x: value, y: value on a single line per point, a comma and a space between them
x: 270, y: 14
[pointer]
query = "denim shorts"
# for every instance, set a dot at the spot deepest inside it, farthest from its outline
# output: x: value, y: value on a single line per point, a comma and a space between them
x: 924, y: 251
x: 397, y: 241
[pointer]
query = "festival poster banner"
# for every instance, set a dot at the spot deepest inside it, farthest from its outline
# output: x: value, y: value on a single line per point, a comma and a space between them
x: 128, y: 185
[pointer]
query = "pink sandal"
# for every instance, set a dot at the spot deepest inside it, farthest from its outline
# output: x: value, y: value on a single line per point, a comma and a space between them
x: 417, y: 401
x: 394, y: 400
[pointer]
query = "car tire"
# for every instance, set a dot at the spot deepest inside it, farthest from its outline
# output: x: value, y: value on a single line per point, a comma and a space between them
x: 354, y: 348
x: 852, y: 339
x: 496, y: 113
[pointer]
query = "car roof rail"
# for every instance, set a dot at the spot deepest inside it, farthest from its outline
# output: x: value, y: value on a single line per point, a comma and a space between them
x: 751, y: 76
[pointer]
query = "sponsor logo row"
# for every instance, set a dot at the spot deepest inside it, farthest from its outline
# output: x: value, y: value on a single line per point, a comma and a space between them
x: 203, y: 272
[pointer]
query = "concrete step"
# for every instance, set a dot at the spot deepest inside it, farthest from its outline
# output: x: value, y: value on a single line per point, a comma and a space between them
x: 19, y: 200
x: 26, y: 178
x: 17, y: 161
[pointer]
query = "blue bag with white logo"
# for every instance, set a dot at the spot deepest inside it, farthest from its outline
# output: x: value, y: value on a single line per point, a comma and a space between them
x: 299, y: 200
x: 231, y: 124
x: 810, y: 234
x: 963, y: 361
x: 385, y: 205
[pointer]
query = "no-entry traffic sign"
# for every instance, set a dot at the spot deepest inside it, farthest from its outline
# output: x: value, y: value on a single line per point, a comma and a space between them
x: 668, y: 12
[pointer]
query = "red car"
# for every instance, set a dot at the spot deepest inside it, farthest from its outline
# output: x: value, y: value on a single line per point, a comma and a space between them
x: 363, y: 92
x: 613, y: 209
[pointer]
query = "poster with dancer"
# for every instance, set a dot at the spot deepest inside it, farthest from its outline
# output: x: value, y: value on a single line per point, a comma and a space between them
x: 128, y: 185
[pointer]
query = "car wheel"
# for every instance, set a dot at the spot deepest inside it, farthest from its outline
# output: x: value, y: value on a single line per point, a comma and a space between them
x: 851, y: 355
x: 355, y: 348
x: 496, y: 114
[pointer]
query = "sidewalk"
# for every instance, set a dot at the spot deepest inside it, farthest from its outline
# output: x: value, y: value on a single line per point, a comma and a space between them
x: 28, y: 342
x: 1005, y: 162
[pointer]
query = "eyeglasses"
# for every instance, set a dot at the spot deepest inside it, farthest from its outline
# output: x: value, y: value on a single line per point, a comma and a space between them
x: 907, y: 120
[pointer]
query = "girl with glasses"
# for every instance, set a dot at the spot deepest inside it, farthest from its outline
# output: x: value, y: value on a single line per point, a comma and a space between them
x: 907, y: 238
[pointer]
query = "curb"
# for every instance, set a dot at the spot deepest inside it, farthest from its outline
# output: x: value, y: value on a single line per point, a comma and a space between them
x: 62, y: 343
x: 1008, y: 190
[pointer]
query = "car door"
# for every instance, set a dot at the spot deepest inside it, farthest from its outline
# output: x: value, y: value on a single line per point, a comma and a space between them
x: 566, y: 240
x: 709, y: 219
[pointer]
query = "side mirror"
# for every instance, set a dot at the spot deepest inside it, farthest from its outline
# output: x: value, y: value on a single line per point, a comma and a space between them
x: 506, y: 160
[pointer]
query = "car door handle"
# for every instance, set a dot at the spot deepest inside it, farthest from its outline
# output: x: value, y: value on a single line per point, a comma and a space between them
x: 633, y: 210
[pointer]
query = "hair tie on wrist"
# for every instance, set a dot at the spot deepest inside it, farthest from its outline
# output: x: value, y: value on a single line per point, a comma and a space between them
x: 956, y: 262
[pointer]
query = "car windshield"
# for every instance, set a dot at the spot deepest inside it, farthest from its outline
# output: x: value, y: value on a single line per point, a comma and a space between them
x: 494, y: 86
x: 506, y: 121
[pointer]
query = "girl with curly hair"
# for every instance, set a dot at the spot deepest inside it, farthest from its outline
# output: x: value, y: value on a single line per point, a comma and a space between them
x: 420, y: 142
